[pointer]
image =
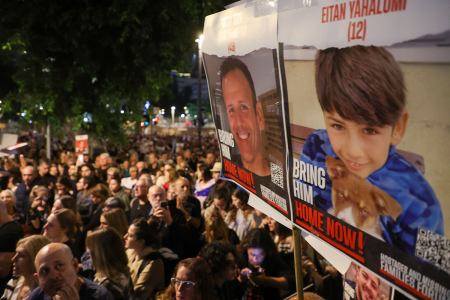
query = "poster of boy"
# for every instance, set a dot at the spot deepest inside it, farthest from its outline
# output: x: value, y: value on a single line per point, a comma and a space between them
x: 362, y: 96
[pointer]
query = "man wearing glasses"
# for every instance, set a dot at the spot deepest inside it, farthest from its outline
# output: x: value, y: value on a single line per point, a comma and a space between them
x: 172, y: 227
x: 140, y: 205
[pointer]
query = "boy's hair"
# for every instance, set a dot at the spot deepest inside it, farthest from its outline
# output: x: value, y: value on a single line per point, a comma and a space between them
x: 362, y: 84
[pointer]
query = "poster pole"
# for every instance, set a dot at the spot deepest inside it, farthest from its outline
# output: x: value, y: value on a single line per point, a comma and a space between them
x: 298, y: 261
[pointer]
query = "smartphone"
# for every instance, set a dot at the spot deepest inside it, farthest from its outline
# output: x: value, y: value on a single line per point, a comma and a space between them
x: 164, y: 204
x: 80, y: 159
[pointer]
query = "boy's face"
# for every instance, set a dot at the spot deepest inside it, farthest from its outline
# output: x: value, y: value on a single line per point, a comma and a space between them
x: 363, y: 149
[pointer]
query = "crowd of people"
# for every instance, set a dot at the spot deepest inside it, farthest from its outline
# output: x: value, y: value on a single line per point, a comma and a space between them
x: 150, y: 220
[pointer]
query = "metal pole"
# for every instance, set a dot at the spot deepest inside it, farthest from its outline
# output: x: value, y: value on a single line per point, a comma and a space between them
x: 298, y: 261
x: 199, y: 94
x: 49, y: 140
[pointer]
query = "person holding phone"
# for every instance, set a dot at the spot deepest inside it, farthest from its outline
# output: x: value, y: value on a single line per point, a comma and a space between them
x: 40, y: 209
x: 172, y: 226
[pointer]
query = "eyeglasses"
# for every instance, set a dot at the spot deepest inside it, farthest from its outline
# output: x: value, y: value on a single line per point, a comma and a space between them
x: 177, y: 283
x: 140, y: 187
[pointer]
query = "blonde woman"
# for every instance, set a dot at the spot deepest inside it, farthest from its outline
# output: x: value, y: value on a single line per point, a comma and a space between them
x: 24, y: 268
x: 107, y: 251
x: 10, y: 200
x: 217, y: 230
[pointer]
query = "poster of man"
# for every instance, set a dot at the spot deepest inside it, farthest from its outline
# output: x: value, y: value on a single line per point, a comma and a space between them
x: 361, y: 284
x: 240, y: 56
x: 81, y: 144
x: 246, y: 104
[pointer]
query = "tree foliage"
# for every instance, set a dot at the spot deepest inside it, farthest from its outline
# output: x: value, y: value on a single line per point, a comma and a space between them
x: 99, y: 57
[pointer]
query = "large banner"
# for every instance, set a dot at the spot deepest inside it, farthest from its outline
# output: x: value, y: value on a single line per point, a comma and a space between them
x: 370, y: 150
x: 240, y: 54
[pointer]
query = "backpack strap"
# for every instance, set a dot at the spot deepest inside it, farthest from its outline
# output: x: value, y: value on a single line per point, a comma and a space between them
x: 150, y: 257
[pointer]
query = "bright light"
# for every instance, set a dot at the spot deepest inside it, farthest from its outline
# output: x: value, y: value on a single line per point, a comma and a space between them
x: 107, y: 105
x: 30, y: 122
x: 272, y: 3
x: 184, y: 107
x: 41, y: 107
x: 24, y: 114
x: 182, y: 115
x: 147, y: 105
x: 85, y: 120
x: 172, y: 108
x: 131, y: 112
x: 0, y: 101
x: 122, y: 111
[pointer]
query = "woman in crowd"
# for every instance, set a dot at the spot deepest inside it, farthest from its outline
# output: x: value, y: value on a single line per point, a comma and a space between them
x: 244, y: 215
x: 24, y: 269
x: 170, y: 177
x: 217, y: 230
x: 203, y: 184
x: 54, y: 170
x: 107, y: 251
x: 99, y: 194
x: 144, y: 259
x: 40, y: 209
x: 264, y: 272
x: 221, y: 258
x: 84, y: 202
x: 116, y: 219
x: 10, y: 200
x: 171, y: 193
x: 117, y: 190
x: 192, y: 280
x: 63, y: 187
x: 70, y: 203
x: 222, y: 203
x: 61, y: 228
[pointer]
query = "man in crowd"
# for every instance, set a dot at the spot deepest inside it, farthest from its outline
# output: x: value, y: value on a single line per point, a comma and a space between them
x: 47, y: 179
x: 172, y: 226
x: 140, y: 205
x: 210, y: 159
x: 10, y: 233
x: 104, y: 165
x: 30, y: 179
x: 189, y: 205
x: 140, y: 165
x: 128, y: 182
x: 57, y: 277
x: 153, y: 165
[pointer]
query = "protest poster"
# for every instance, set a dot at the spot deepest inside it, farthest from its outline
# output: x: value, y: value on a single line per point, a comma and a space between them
x: 81, y: 144
x: 240, y: 55
x: 367, y: 85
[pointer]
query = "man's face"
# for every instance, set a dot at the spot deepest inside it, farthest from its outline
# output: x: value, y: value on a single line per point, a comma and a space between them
x: 210, y: 159
x: 220, y: 204
x: 28, y: 175
x: 152, y: 159
x: 156, y: 195
x: 133, y: 172
x: 140, y: 166
x: 80, y: 184
x: 141, y: 190
x: 187, y: 155
x: 363, y: 149
x: 246, y: 123
x: 216, y: 176
x: 55, y: 269
x: 183, y: 188
x: 104, y: 161
x: 179, y: 159
x: 43, y: 169
x: 366, y: 285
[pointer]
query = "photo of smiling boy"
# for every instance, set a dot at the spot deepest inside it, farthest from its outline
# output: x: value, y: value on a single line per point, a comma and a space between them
x: 362, y: 95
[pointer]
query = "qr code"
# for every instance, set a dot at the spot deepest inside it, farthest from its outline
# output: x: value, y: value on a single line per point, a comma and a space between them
x: 433, y: 248
x: 277, y: 174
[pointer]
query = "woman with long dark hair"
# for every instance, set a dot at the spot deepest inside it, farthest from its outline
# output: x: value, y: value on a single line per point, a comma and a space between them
x: 203, y: 184
x: 264, y: 272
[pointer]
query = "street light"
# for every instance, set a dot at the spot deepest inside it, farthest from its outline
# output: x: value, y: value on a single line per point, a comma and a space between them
x: 199, y: 99
x: 173, y: 114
